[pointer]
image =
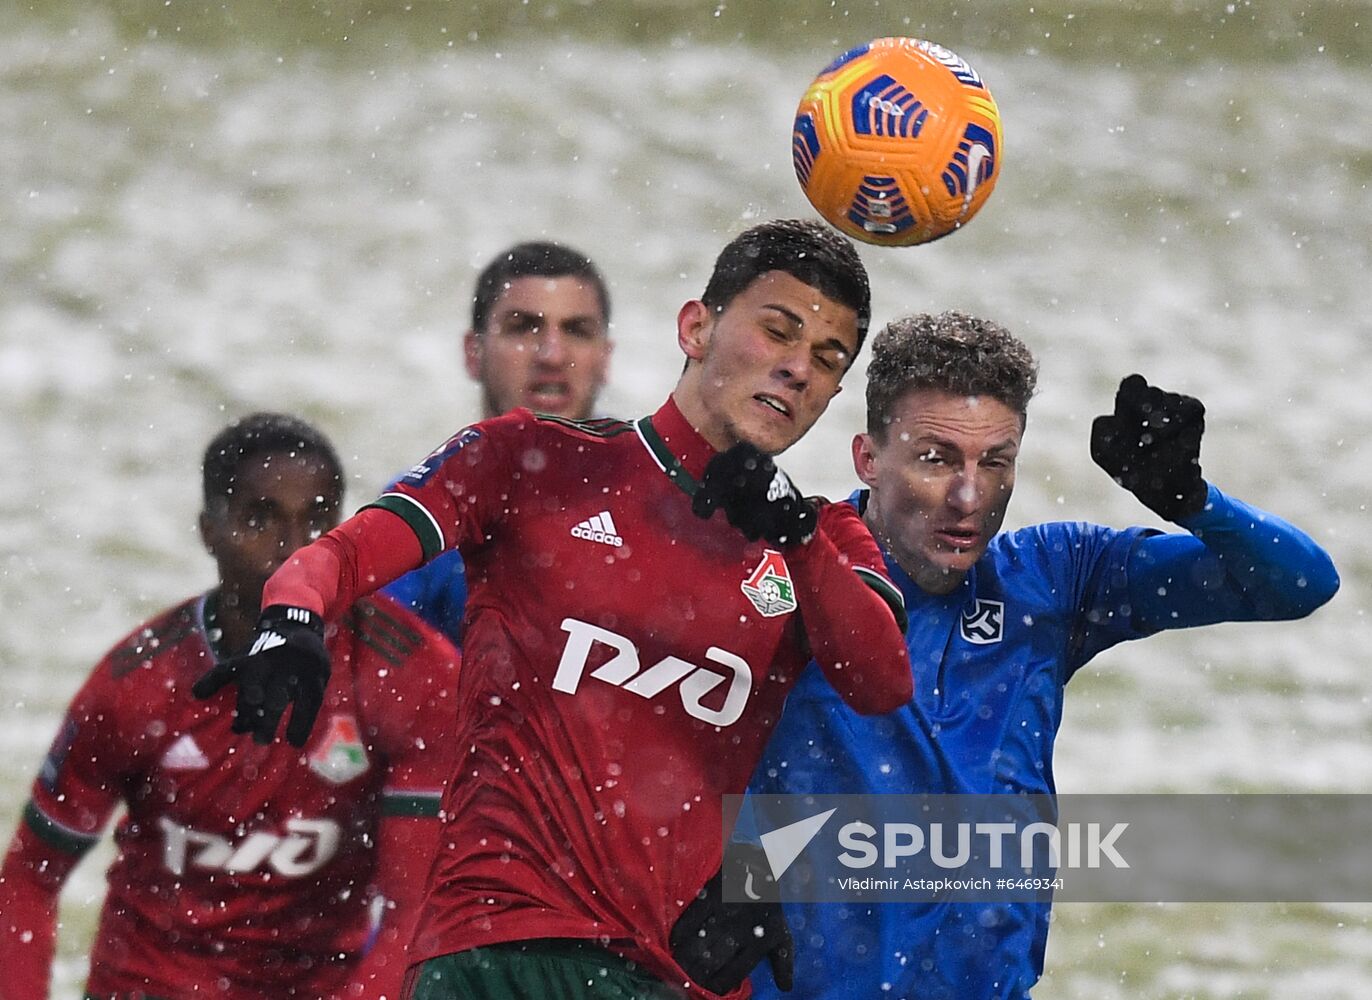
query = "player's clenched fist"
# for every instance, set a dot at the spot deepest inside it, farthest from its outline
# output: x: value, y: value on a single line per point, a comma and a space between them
x: 1150, y: 445
x: 757, y: 498
x: 286, y: 666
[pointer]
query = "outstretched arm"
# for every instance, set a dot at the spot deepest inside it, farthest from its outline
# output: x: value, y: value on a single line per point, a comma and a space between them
x: 1237, y: 564
x: 288, y: 666
x: 364, y: 553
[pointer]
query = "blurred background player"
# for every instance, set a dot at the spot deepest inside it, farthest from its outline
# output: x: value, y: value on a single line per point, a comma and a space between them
x: 540, y: 338
x: 617, y: 682
x: 243, y: 871
x: 999, y: 622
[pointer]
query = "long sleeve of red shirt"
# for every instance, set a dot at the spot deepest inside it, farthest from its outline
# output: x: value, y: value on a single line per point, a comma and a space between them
x: 363, y: 554
x: 854, y: 616
x: 30, y: 881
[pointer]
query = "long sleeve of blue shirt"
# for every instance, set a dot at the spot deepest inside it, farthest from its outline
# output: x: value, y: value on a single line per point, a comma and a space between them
x: 1237, y: 563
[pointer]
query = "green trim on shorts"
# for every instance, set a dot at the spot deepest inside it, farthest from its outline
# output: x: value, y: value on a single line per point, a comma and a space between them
x: 411, y: 804
x: 543, y: 968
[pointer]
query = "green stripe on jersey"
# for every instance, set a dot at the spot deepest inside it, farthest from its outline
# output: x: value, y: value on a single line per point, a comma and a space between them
x: 676, y: 472
x: 417, y: 516
x: 605, y: 427
x: 391, y: 639
x: 888, y: 592
x: 425, y: 804
x: 394, y: 657
x: 400, y: 634
x: 55, y: 835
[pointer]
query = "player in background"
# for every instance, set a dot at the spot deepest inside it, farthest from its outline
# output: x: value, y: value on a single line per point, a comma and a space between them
x: 999, y: 622
x: 540, y: 338
x: 243, y: 870
x: 626, y: 652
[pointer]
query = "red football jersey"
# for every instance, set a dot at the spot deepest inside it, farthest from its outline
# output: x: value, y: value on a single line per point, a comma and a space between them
x: 625, y: 663
x: 245, y: 871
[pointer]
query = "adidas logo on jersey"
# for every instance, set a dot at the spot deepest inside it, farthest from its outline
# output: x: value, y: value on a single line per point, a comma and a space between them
x: 600, y: 528
x: 185, y: 755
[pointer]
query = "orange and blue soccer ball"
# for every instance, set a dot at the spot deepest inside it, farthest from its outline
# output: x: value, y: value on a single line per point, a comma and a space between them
x: 897, y: 142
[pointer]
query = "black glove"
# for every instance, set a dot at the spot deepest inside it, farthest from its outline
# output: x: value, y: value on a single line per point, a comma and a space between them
x: 1150, y: 445
x: 287, y: 664
x: 718, y: 944
x: 758, y: 498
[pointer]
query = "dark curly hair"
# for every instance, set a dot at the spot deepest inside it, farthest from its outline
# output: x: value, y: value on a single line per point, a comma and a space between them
x: 953, y: 352
x: 261, y: 434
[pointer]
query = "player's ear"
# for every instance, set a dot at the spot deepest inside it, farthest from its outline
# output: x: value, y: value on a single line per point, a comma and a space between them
x: 472, y: 353
x: 865, y: 450
x: 694, y: 324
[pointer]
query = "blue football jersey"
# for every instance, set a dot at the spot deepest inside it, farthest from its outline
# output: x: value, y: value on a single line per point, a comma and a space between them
x: 990, y: 662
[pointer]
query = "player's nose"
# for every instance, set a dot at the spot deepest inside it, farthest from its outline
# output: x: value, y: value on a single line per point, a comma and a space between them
x: 552, y: 346
x: 796, y: 367
x: 964, y: 493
